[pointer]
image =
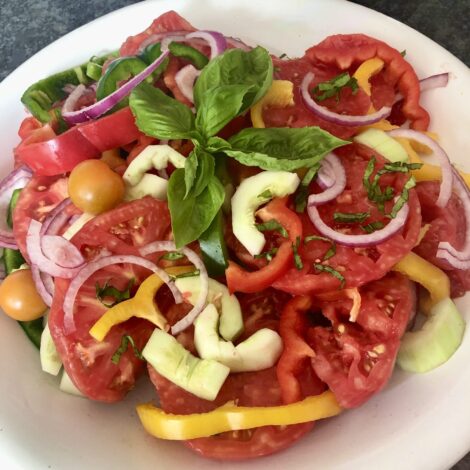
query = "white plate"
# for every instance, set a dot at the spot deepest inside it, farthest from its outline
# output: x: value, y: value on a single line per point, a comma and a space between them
x: 418, y: 422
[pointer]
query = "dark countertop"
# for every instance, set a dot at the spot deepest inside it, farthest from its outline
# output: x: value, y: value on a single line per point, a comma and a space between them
x: 29, y: 25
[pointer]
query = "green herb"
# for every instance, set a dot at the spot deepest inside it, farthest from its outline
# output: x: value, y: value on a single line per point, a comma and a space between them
x: 14, y: 199
x: 283, y: 55
x: 400, y: 202
x: 332, y: 271
x: 269, y: 255
x: 267, y: 194
x: 316, y: 237
x: 172, y: 256
x: 333, y: 87
x: 297, y: 259
x: 282, y: 148
x: 331, y: 252
x: 372, y: 227
x: 348, y: 218
x: 110, y: 291
x: 198, y: 170
x: 194, y: 273
x: 214, y: 248
x: 302, y: 192
x: 125, y: 341
x: 198, y: 59
x: 403, y: 53
x: 402, y: 167
x: 272, y: 225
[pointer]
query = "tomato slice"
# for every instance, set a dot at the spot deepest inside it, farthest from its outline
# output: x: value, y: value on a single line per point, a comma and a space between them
x: 357, y: 265
x: 356, y: 359
x: 62, y: 153
x: 87, y: 361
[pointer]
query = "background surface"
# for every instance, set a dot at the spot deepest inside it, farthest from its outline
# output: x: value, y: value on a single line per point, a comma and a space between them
x: 29, y: 25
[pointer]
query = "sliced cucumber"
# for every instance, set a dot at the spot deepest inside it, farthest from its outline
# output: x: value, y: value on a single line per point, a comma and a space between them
x: 50, y: 359
x: 382, y: 143
x: 201, y: 377
x: 435, y: 342
x: 253, y: 192
x: 67, y: 386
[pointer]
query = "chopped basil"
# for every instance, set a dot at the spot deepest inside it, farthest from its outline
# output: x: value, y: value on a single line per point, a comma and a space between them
x: 297, y: 259
x: 196, y: 272
x: 333, y: 87
x: 274, y: 225
x: 265, y: 194
x: 302, y: 193
x: 108, y: 291
x: 283, y: 56
x: 411, y: 183
x: 331, y: 252
x: 269, y: 255
x: 348, y: 218
x: 125, y: 341
x: 172, y: 256
x: 402, y: 167
x: 403, y: 53
x: 372, y: 227
x: 332, y: 271
x: 316, y: 237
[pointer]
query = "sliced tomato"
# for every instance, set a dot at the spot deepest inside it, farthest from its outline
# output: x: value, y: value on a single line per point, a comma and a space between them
x: 60, y: 154
x: 356, y: 359
x: 87, y: 361
x: 240, y: 280
x: 445, y: 225
x: 347, y: 51
x: 357, y: 265
x: 169, y: 21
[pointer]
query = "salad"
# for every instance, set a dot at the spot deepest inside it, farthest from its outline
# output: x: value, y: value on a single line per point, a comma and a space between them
x: 258, y: 233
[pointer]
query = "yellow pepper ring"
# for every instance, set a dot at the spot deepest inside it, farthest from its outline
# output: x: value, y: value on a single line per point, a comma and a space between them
x: 231, y: 418
x: 142, y: 305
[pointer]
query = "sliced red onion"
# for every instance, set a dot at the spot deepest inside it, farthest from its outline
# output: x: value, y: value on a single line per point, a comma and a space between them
x: 37, y: 257
x: 185, y: 79
x: 238, y: 44
x: 100, y: 107
x: 56, y: 219
x: 100, y: 263
x: 158, y: 37
x: 334, y: 164
x: 444, y: 161
x: 439, y: 80
x: 165, y: 42
x: 216, y: 41
x: 188, y: 320
x: 71, y: 101
x: 17, y: 179
x: 341, y: 119
x: 369, y: 239
x: 43, y: 291
x: 326, y: 175
x: 61, y: 252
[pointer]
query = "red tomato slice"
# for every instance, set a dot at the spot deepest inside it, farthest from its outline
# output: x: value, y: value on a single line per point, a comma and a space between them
x: 169, y: 21
x: 87, y: 361
x: 357, y: 265
x: 445, y: 225
x: 356, y: 359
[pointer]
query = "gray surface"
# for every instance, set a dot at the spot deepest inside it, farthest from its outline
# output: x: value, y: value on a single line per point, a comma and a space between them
x: 27, y: 26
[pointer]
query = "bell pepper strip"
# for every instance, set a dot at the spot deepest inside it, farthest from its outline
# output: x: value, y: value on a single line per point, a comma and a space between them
x: 433, y: 279
x: 293, y: 326
x: 240, y: 280
x: 347, y: 50
x: 62, y: 153
x: 232, y: 418
x: 142, y: 305
x: 364, y: 73
x: 280, y: 94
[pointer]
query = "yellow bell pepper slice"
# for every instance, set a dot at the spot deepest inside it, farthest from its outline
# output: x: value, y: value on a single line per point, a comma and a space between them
x: 382, y: 125
x: 232, y: 418
x: 433, y: 279
x: 366, y: 71
x: 142, y: 305
x: 281, y: 94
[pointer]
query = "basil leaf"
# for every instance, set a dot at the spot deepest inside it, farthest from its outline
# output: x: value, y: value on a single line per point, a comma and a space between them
x: 172, y: 256
x: 216, y: 144
x: 192, y: 216
x: 334, y: 86
x: 159, y: 115
x: 297, y: 259
x: 332, y: 271
x: 198, y: 170
x: 236, y: 67
x: 372, y: 227
x: 282, y: 148
x: 272, y: 225
x: 220, y: 105
x: 125, y: 341
x: 302, y: 192
x: 348, y: 218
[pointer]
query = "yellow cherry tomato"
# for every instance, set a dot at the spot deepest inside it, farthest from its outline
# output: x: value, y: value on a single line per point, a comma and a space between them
x: 19, y: 298
x: 94, y: 187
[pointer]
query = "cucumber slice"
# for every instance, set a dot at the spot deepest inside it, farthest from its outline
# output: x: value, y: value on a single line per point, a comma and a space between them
x: 382, y: 143
x: 435, y: 342
x: 67, y: 386
x: 50, y: 359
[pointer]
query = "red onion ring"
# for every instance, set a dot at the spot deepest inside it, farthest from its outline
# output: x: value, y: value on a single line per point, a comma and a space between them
x: 71, y: 101
x: 40, y: 283
x: 100, y: 263
x: 185, y: 79
x: 446, y: 167
x: 61, y: 252
x: 326, y: 175
x: 341, y: 119
x: 100, y: 107
x: 216, y: 41
x: 56, y: 219
x: 158, y: 37
x: 188, y: 320
x: 236, y: 43
x: 334, y: 164
x: 368, y: 239
x: 439, y: 80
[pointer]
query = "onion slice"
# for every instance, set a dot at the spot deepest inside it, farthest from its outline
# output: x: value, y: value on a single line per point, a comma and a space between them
x: 337, y: 177
x: 71, y: 102
x: 185, y: 79
x: 100, y: 107
x: 439, y: 80
x: 368, y: 239
x: 216, y: 41
x: 40, y: 282
x: 61, y: 251
x: 188, y: 320
x: 444, y: 161
x: 236, y: 43
x: 56, y: 219
x: 341, y: 119
x: 100, y: 263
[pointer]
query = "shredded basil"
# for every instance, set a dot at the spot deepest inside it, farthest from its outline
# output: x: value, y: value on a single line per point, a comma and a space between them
x: 172, y: 256
x: 110, y: 291
x: 348, y: 218
x: 297, y: 259
x: 372, y: 227
x: 273, y: 225
x: 265, y: 194
x: 125, y: 341
x: 269, y: 255
x: 316, y: 237
x: 333, y: 87
x: 302, y: 193
x: 331, y: 252
x: 403, y: 53
x: 283, y: 55
x: 196, y: 272
x: 332, y: 271
x: 411, y: 183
